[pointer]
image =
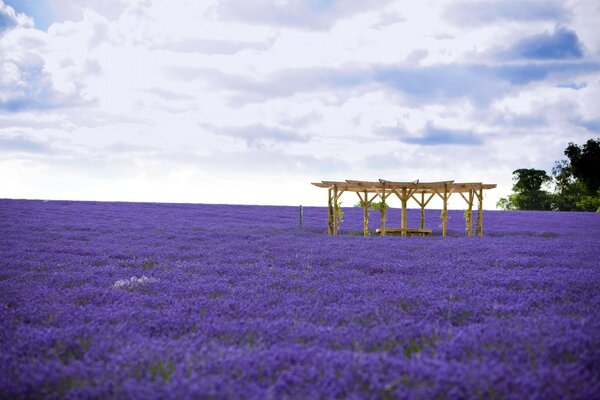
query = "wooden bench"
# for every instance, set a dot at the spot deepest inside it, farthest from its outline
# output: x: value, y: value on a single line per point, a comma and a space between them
x: 408, y: 231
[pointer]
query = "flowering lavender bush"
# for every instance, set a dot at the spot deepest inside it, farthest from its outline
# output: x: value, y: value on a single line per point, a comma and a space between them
x: 196, y: 301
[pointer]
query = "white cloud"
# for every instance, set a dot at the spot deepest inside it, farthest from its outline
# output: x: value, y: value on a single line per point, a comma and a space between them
x: 312, y: 14
x: 157, y: 101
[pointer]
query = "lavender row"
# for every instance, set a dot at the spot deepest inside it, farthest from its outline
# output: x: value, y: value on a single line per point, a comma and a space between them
x: 177, y: 301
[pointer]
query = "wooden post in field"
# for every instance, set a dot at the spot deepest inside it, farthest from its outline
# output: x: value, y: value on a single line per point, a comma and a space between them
x: 422, y: 204
x: 329, y: 213
x: 366, y: 215
x: 469, y: 215
x: 480, y: 212
x: 335, y: 209
x: 468, y: 212
x: 365, y: 205
x: 383, y: 210
x: 445, y: 211
x: 404, y: 211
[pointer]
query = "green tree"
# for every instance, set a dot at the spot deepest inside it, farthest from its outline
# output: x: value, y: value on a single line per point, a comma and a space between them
x: 528, y: 193
x: 577, y: 179
x: 585, y: 164
x: 507, y: 203
x: 576, y: 183
x: 568, y: 190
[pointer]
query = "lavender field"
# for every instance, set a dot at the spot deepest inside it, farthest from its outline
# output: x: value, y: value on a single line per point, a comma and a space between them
x: 125, y: 300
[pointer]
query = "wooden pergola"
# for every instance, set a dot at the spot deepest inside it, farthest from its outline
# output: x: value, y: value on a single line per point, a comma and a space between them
x: 421, y: 192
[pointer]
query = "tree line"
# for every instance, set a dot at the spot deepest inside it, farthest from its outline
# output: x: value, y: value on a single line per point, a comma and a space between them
x: 573, y: 186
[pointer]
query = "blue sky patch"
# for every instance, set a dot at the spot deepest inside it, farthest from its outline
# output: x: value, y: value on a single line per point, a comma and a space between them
x: 433, y: 136
x: 572, y: 85
x: 474, y: 13
x: 39, y: 10
x: 592, y: 125
x: 563, y: 44
x: 22, y: 144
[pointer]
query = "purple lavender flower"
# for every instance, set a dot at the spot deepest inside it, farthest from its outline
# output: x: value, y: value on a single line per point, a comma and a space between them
x: 104, y: 300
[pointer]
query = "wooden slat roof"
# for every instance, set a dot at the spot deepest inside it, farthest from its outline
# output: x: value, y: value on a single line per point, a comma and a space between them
x: 387, y: 185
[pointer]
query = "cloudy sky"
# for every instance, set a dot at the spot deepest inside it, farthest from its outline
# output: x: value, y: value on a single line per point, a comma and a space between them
x: 231, y: 101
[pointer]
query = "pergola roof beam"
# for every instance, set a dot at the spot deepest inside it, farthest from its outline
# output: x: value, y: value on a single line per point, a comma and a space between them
x: 419, y: 187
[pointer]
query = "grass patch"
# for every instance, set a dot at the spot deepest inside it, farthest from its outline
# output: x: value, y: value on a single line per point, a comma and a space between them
x: 148, y: 264
x: 161, y: 370
x: 67, y: 352
x: 549, y: 235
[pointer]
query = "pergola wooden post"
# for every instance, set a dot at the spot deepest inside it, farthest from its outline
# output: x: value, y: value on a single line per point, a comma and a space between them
x: 383, y: 195
x: 404, y: 207
x: 445, y: 196
x: 445, y: 211
x: 365, y: 204
x: 335, y: 209
x: 330, y: 212
x: 479, y: 228
x: 406, y: 194
x: 423, y: 203
x: 469, y: 212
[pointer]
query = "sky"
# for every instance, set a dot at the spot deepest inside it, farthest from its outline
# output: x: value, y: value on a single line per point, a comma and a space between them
x: 248, y: 102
